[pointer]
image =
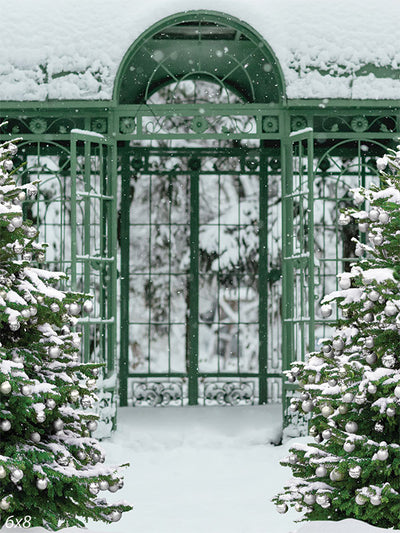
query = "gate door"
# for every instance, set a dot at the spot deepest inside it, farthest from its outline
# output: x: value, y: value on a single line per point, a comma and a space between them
x: 298, y: 255
x: 93, y: 253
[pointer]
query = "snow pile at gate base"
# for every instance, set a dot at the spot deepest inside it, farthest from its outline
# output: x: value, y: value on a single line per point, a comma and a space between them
x: 68, y: 50
x: 190, y: 449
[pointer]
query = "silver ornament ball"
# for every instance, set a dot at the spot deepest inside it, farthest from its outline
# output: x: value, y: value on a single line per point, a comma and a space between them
x: 351, y: 427
x: 326, y: 310
x: 360, y: 499
x: 94, y: 488
x: 41, y: 484
x: 5, y: 425
x: 58, y: 424
x: 74, y: 308
x: 309, y: 499
x: 4, y: 504
x: 355, y: 472
x: 88, y: 306
x: 348, y: 446
x: 116, y: 515
x: 5, y: 387
x: 35, y: 436
x: 103, y: 485
x: 321, y: 471
x: 3, y: 472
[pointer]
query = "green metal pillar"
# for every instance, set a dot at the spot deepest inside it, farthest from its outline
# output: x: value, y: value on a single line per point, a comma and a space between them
x: 124, y: 305
x: 263, y: 280
x: 193, y: 319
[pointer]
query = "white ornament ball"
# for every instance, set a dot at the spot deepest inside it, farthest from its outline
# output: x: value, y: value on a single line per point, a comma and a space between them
x: 3, y: 472
x: 360, y: 398
x: 326, y: 434
x: 369, y: 342
x: 321, y: 471
x: 343, y: 408
x: 35, y: 436
x: 292, y: 459
x: 90, y: 383
x: 50, y: 403
x: 298, y: 507
x: 338, y: 344
x: 54, y: 307
x: 74, y: 308
x: 41, y: 417
x: 378, y: 240
x: 345, y: 283
x: 4, y: 504
x: 390, y: 309
x: 326, y: 310
x: 327, y: 349
x: 355, y: 472
x: 390, y: 412
x: 379, y: 427
x: 351, y: 427
x: 14, y: 325
x: 372, y: 388
x: 309, y: 499
x: 382, y: 455
x: 92, y: 425
x: 384, y: 217
x: 113, y: 488
x: 336, y: 475
x: 344, y: 219
x: 88, y: 306
x: 54, y: 352
x: 17, y: 474
x: 74, y: 395
x: 360, y: 499
x: 81, y: 455
x: 322, y: 499
x: 58, y: 424
x: 348, y: 397
x: 307, y: 406
x: 326, y: 410
x: 41, y: 484
x: 349, y: 446
x: 94, y: 488
x: 373, y: 295
x: 373, y: 214
x: 26, y: 390
x: 116, y: 515
x: 369, y: 317
x: 103, y: 485
x: 370, y: 358
x: 5, y: 425
x: 16, y: 222
x: 281, y: 508
x: 375, y: 500
x: 5, y: 387
x: 397, y: 391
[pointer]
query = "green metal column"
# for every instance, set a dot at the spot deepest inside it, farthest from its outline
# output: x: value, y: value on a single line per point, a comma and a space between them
x: 193, y: 318
x: 263, y: 280
x: 124, y: 242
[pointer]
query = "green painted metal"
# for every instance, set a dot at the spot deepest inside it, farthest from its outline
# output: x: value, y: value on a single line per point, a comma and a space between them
x: 193, y: 318
x: 263, y: 281
x: 298, y: 252
x: 193, y: 44
x: 94, y: 256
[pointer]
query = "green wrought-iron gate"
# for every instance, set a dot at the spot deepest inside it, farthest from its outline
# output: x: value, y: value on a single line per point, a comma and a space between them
x: 93, y: 190
x: 200, y: 275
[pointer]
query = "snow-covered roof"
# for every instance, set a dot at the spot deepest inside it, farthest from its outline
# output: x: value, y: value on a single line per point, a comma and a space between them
x: 71, y: 49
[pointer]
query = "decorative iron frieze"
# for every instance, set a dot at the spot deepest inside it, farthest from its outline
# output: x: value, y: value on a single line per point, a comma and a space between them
x: 155, y: 393
x: 229, y: 392
x: 270, y: 124
x: 39, y: 125
x: 355, y: 124
x: 127, y: 125
x: 298, y: 123
x: 99, y: 125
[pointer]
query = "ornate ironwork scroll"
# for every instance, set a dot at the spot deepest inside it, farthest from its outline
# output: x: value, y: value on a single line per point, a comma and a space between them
x: 229, y: 393
x: 155, y: 393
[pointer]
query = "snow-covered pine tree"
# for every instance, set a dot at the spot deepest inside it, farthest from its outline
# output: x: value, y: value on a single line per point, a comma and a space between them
x: 351, y: 386
x: 50, y: 467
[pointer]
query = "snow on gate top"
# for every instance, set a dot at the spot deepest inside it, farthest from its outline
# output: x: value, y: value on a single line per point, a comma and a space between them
x: 71, y: 49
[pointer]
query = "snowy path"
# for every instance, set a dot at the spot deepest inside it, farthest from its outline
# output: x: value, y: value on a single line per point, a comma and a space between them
x: 203, y: 470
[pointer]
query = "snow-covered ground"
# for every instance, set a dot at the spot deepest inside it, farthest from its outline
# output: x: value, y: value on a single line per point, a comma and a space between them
x: 203, y: 470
